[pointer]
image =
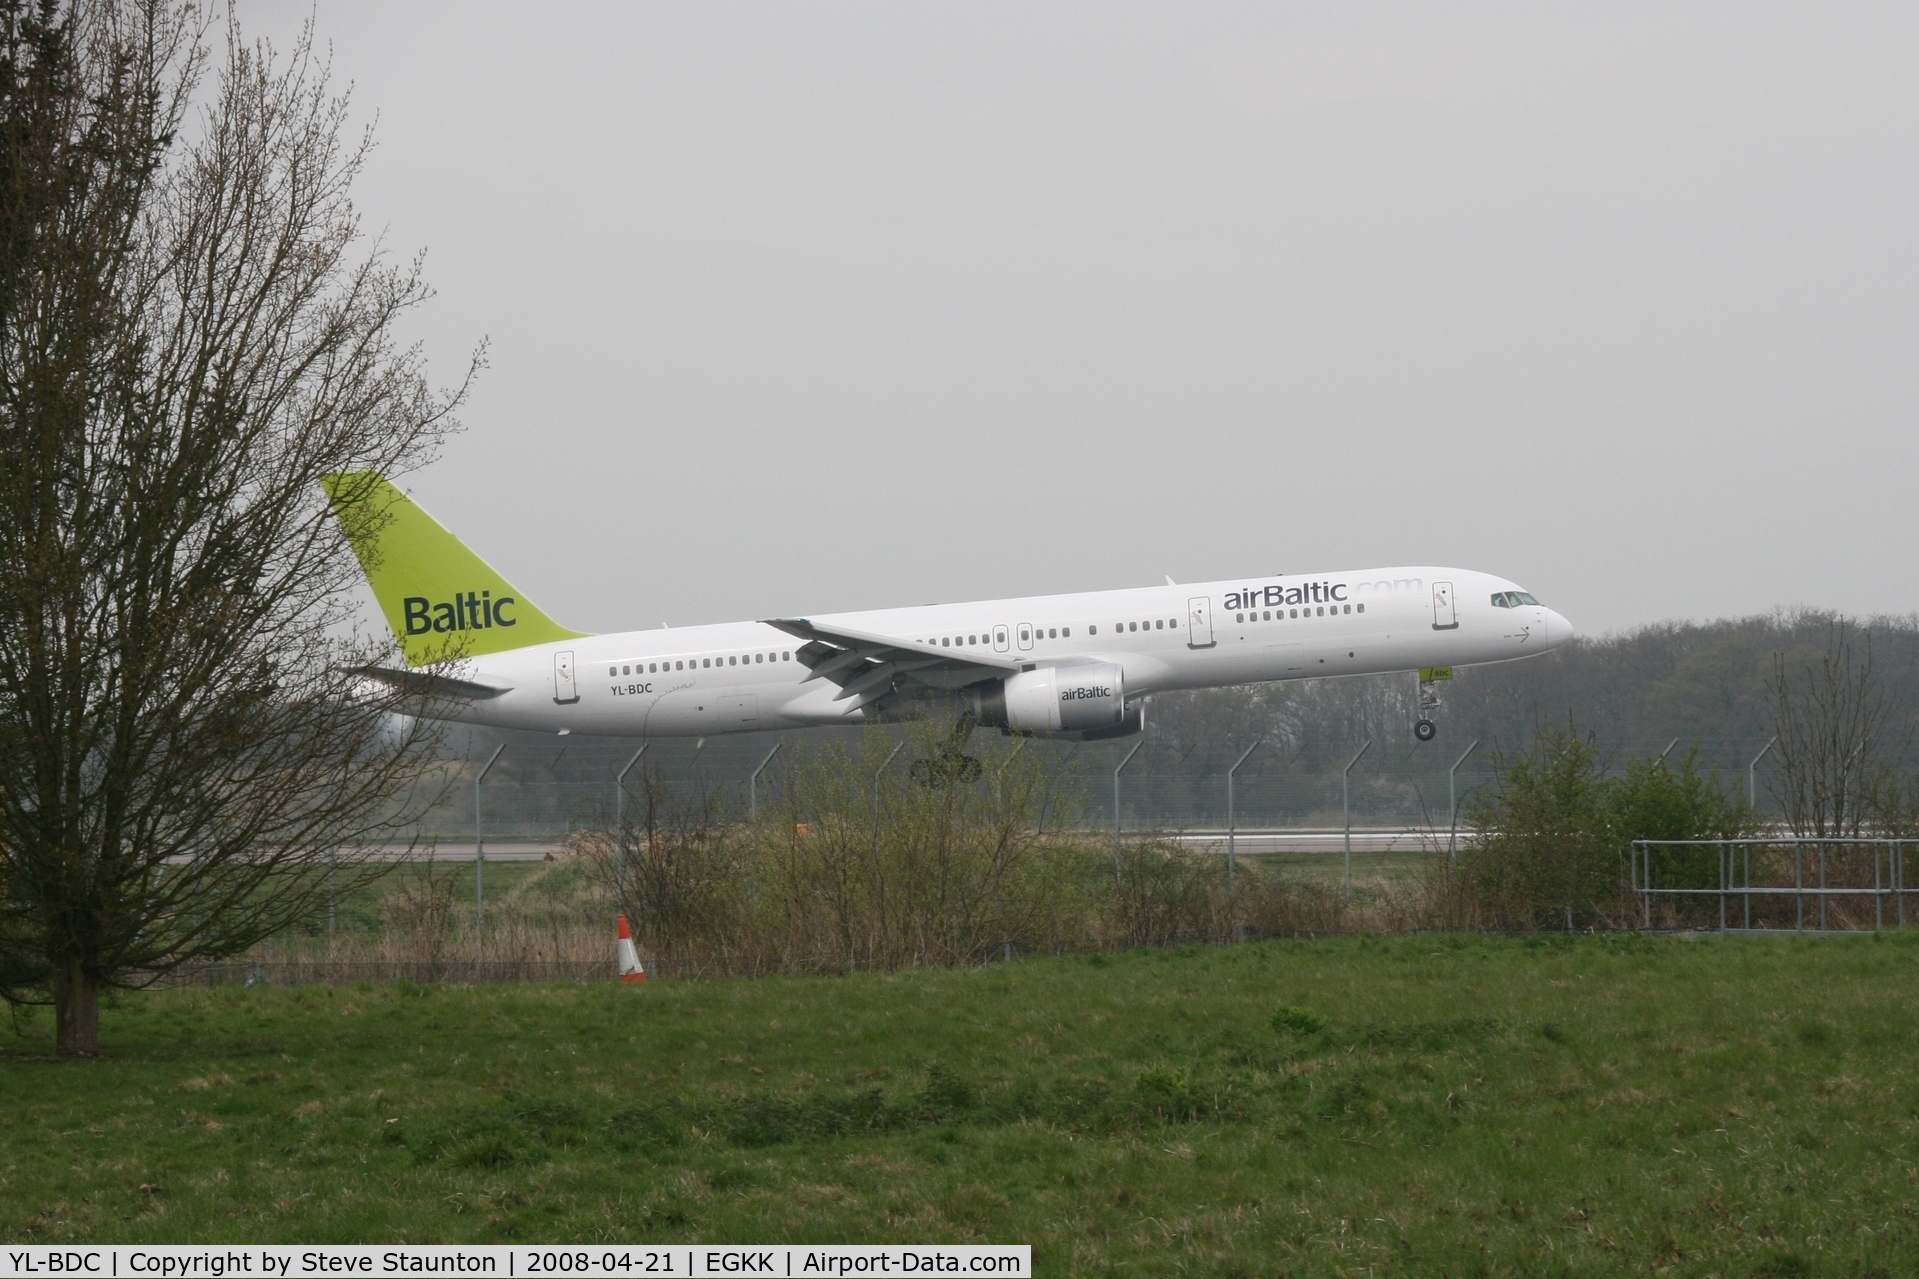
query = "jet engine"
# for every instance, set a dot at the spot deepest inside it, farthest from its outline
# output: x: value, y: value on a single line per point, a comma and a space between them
x: 1082, y: 698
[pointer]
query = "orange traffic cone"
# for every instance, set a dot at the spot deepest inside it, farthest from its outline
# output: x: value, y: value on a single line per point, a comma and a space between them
x: 630, y: 968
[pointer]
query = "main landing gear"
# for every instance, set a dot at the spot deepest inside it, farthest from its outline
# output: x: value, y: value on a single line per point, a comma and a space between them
x: 949, y: 762
x: 1429, y: 677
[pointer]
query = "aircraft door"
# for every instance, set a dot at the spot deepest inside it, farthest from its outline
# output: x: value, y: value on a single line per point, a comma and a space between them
x: 1199, y: 622
x: 1445, y: 612
x: 565, y: 690
x: 1025, y: 636
x: 1002, y: 639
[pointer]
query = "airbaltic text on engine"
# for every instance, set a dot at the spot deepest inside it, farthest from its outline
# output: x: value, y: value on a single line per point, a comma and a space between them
x: 1054, y: 699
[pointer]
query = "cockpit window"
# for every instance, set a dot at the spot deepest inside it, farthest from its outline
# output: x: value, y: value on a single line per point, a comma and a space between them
x: 1520, y: 597
x: 1512, y: 599
x: 1499, y: 600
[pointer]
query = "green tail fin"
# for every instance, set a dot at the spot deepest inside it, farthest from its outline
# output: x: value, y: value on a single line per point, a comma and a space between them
x: 441, y: 600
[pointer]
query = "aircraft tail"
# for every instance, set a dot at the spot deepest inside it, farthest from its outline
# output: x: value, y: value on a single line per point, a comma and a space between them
x: 441, y: 600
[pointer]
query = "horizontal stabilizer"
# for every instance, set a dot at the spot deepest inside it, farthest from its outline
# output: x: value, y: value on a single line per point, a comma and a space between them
x: 438, y: 687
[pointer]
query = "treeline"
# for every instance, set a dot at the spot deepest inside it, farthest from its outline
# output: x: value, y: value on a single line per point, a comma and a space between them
x: 1703, y: 683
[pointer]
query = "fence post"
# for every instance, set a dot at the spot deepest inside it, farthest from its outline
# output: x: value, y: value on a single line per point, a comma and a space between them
x: 1752, y: 776
x: 1232, y: 820
x: 877, y: 774
x: 1116, y: 772
x: 1822, y: 886
x: 479, y: 856
x: 1346, y: 813
x: 753, y: 783
x: 619, y: 826
x: 1722, y: 887
x: 1645, y: 885
x: 1452, y: 802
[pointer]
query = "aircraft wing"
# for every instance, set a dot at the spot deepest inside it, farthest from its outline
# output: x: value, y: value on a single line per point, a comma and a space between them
x: 870, y: 666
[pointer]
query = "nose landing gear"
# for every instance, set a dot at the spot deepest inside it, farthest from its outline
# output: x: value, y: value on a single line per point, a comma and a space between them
x: 1429, y: 701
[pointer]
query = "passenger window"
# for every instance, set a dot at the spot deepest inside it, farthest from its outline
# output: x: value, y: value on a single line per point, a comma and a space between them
x: 1092, y: 630
x: 1239, y: 617
x: 1349, y: 608
x: 1132, y: 626
x: 1066, y: 632
x: 1322, y: 611
x: 1052, y: 632
x: 1362, y: 608
x: 612, y: 671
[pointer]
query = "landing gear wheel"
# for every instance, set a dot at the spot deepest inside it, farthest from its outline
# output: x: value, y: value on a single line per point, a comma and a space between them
x: 1425, y: 730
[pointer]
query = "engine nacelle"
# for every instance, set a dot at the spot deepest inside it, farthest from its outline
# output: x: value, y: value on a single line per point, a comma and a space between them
x: 1057, y: 699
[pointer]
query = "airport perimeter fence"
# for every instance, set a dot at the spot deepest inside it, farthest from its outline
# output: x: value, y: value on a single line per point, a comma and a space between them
x: 544, y: 790
x: 537, y: 790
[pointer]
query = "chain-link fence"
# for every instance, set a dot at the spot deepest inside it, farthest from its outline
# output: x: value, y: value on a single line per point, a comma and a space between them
x: 543, y: 789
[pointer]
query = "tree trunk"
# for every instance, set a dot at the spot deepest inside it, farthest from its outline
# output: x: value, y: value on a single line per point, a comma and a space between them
x: 76, y: 1010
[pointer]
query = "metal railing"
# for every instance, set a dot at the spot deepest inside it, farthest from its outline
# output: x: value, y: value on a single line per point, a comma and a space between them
x: 1765, y: 878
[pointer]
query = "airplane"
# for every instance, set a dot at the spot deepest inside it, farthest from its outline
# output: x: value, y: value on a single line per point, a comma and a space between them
x: 1076, y: 667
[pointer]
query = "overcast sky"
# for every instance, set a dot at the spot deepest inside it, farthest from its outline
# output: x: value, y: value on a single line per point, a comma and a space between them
x: 805, y: 307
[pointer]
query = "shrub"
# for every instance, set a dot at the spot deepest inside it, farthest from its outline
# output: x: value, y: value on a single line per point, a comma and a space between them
x: 1298, y: 1021
x: 1555, y: 833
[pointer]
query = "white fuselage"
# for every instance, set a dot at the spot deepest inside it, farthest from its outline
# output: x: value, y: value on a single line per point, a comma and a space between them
x: 743, y: 676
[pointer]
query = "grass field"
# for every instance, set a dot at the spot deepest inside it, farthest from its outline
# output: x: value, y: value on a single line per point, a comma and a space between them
x: 1433, y: 1105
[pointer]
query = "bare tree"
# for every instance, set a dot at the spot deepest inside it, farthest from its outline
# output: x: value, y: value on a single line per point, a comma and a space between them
x: 192, y: 331
x: 1835, y: 723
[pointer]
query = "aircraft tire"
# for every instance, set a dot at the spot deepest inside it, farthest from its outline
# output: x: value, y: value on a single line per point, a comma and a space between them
x: 1425, y: 730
